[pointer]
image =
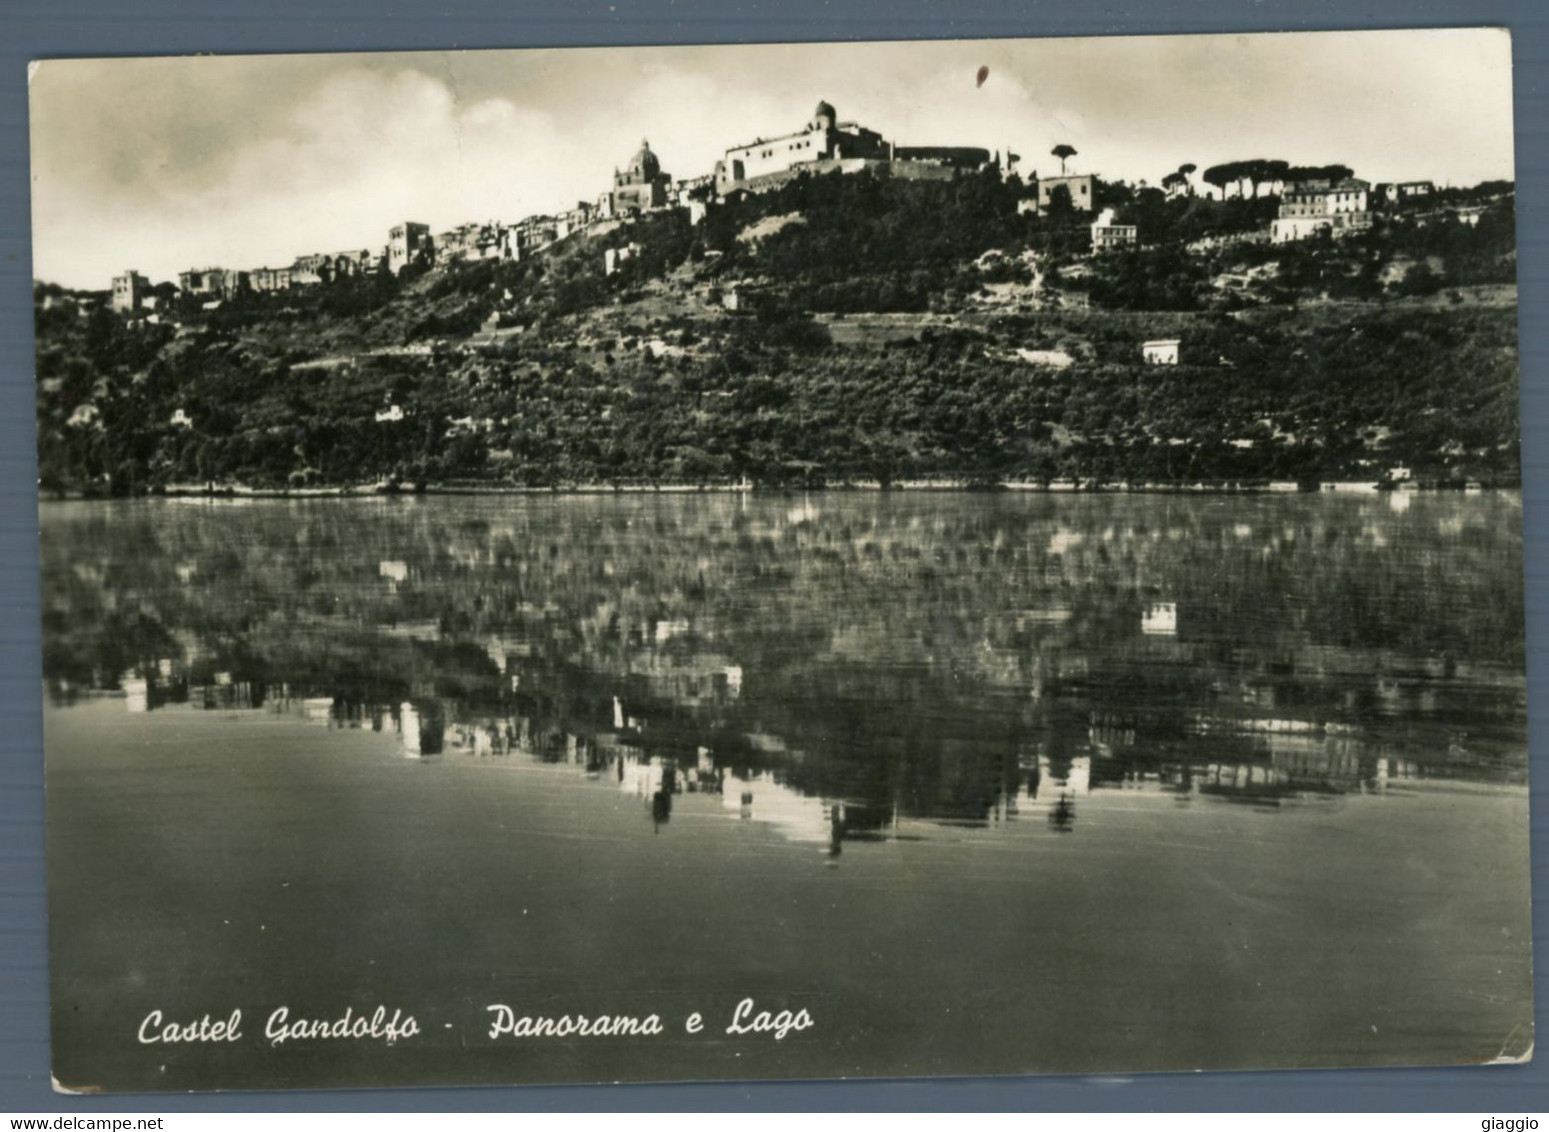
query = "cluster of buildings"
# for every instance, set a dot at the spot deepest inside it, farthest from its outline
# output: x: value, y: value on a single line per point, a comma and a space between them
x: 639, y: 186
x: 1338, y: 206
x: 1308, y: 208
x: 824, y: 144
x: 1254, y: 756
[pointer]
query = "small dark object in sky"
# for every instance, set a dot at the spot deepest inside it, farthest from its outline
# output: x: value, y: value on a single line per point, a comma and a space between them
x: 984, y: 73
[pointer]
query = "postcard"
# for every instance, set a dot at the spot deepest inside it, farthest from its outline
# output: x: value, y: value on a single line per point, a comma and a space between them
x: 786, y: 561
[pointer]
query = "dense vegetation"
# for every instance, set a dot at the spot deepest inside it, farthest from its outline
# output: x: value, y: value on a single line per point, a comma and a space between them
x: 876, y: 339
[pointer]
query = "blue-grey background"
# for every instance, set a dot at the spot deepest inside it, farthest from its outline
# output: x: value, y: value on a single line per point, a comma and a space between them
x: 56, y: 28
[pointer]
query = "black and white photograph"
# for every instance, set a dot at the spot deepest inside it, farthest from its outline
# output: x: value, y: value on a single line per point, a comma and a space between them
x: 775, y: 562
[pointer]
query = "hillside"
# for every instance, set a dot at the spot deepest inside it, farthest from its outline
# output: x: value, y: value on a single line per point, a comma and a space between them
x: 841, y: 329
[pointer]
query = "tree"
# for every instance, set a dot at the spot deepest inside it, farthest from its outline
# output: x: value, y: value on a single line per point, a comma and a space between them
x: 1420, y: 280
x: 1180, y: 178
x: 1250, y: 173
x: 1272, y: 170
x: 1221, y: 175
x: 1063, y: 152
x: 1317, y: 172
x: 1060, y: 202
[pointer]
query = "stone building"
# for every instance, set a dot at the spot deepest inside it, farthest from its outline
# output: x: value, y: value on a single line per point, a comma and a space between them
x: 459, y: 243
x: 473, y: 242
x: 310, y: 270
x: 269, y: 279
x: 615, y: 258
x: 1310, y: 207
x: 408, y: 244
x: 362, y: 261
x: 829, y: 145
x: 314, y: 269
x: 690, y: 189
x: 532, y: 234
x: 639, y: 186
x: 825, y: 138
x: 216, y: 282
x: 575, y: 219
x: 693, y: 195
x: 1082, y: 188
x: 741, y: 296
x: 130, y: 291
x: 1161, y: 351
x: 919, y: 160
x: 1107, y: 236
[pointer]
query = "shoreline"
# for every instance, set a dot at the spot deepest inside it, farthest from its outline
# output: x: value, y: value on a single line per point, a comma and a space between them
x: 1056, y: 487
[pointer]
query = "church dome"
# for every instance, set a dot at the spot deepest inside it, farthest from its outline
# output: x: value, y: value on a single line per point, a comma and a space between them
x: 824, y: 117
x: 645, y: 164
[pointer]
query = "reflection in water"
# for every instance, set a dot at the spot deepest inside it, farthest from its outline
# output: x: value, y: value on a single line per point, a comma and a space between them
x: 875, y: 668
x: 1161, y: 619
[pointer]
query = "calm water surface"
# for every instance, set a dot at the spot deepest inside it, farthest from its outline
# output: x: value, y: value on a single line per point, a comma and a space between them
x: 984, y: 783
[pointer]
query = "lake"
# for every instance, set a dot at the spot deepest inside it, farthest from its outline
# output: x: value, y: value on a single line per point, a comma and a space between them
x: 984, y: 783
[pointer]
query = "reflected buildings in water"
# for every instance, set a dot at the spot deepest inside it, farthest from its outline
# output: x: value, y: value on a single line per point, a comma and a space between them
x: 421, y: 729
x: 835, y: 672
x: 655, y: 750
x: 137, y: 693
x: 897, y: 750
x: 1048, y: 759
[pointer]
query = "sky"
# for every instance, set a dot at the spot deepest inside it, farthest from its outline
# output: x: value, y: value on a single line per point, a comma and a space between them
x: 162, y: 164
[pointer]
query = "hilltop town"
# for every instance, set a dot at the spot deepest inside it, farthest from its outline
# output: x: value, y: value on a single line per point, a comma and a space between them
x: 826, y: 307
x: 825, y: 145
